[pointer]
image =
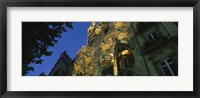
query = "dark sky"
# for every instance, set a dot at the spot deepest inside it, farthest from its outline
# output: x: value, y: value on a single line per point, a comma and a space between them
x: 71, y: 41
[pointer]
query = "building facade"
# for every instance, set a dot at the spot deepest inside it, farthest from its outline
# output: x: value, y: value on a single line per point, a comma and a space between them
x: 129, y: 49
x: 158, y: 43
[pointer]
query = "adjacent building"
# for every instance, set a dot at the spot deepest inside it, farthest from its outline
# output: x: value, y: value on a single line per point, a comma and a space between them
x: 63, y: 67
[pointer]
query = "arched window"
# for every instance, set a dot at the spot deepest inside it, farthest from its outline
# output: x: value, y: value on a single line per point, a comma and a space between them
x: 125, y: 59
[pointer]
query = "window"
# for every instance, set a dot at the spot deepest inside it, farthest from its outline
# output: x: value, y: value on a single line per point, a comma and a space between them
x: 169, y: 67
x: 153, y: 37
x: 126, y: 59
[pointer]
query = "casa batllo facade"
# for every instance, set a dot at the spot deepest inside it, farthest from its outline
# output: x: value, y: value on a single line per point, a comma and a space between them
x: 129, y: 49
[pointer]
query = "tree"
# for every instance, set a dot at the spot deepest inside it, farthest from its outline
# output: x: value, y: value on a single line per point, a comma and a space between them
x: 36, y: 38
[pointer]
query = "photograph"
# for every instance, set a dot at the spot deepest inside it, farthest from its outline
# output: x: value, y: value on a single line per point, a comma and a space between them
x: 109, y: 49
x: 116, y: 48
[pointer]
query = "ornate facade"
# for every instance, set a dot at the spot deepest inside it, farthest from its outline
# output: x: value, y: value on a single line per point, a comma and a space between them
x: 129, y: 49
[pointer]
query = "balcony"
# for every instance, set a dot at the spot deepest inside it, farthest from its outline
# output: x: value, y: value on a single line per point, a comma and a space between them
x: 150, y: 46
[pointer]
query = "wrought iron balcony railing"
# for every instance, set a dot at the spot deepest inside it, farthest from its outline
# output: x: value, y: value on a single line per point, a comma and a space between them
x: 153, y: 45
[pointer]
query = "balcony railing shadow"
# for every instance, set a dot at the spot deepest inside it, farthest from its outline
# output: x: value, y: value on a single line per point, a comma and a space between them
x: 154, y: 45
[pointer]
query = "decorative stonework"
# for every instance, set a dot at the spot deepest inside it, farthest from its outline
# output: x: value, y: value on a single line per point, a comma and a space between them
x: 118, y: 24
x: 116, y: 48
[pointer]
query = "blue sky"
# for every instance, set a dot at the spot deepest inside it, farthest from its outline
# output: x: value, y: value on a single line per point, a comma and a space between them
x: 71, y: 41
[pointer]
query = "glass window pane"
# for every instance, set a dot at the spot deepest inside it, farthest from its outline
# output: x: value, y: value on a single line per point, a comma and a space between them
x: 167, y: 72
x: 150, y: 38
x: 155, y: 36
x: 162, y: 63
